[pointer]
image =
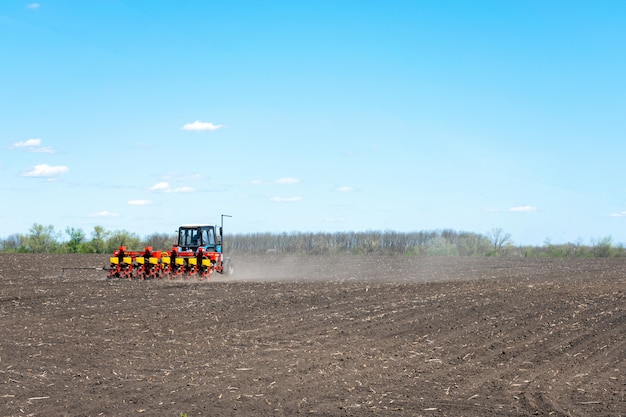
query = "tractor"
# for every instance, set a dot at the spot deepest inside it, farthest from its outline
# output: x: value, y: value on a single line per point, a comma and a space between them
x: 197, y: 254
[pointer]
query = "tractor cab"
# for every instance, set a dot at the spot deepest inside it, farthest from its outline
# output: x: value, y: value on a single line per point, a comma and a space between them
x: 192, y: 237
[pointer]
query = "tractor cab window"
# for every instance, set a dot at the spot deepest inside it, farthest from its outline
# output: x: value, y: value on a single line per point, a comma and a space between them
x: 205, y: 237
x: 189, y: 237
x: 196, y: 239
x: 208, y: 236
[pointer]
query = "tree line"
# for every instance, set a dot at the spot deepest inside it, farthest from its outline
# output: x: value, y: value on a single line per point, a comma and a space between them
x: 44, y: 239
x: 445, y: 242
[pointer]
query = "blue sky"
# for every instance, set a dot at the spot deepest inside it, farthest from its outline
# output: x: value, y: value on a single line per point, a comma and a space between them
x: 315, y: 115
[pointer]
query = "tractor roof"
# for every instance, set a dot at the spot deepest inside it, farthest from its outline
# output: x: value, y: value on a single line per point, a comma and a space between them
x: 196, y: 225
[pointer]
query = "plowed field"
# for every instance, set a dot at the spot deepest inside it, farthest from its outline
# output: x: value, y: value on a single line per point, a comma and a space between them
x: 337, y: 336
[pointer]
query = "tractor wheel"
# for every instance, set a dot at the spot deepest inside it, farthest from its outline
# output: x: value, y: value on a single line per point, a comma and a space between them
x: 229, y: 268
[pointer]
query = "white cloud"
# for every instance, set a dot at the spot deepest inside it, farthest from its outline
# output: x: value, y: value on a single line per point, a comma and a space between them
x: 164, y: 187
x: 256, y: 182
x: 104, y: 213
x: 618, y: 214
x: 45, y: 170
x: 33, y: 6
x: 28, y: 143
x: 161, y: 186
x: 287, y: 180
x: 139, y: 202
x: 345, y: 189
x: 198, y: 125
x: 32, y: 145
x: 522, y: 209
x: 286, y: 199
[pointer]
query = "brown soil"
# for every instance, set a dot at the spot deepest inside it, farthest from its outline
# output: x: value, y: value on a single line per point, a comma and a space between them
x: 337, y: 336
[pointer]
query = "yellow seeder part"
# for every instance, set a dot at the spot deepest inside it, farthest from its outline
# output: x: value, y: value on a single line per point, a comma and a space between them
x: 114, y: 260
x: 206, y: 262
x: 127, y: 260
x: 180, y: 261
x: 192, y: 261
x: 140, y: 260
x: 166, y: 260
x: 153, y: 260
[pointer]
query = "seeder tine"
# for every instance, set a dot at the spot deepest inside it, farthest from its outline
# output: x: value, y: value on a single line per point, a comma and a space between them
x: 140, y: 270
x: 155, y: 268
x: 178, y: 268
x: 114, y: 269
x: 192, y: 266
x: 166, y: 266
x: 204, y: 270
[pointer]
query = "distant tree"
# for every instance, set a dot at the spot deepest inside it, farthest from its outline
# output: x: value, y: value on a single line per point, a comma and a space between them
x: 579, y: 249
x: 160, y: 241
x: 40, y: 239
x: 77, y: 236
x: 499, y: 241
x: 602, y: 248
x: 618, y: 250
x: 12, y: 243
x: 122, y: 238
x: 442, y: 246
x: 473, y: 244
x: 98, y: 240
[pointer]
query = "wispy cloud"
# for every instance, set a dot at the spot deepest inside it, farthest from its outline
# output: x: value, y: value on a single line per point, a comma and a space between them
x: 139, y: 202
x: 104, y: 213
x: 33, y: 6
x: 522, y: 209
x: 256, y: 182
x: 164, y: 187
x: 345, y: 189
x: 181, y: 190
x: 286, y: 199
x: 198, y: 125
x: 287, y: 180
x: 32, y: 145
x: 618, y: 214
x: 176, y: 176
x: 45, y: 170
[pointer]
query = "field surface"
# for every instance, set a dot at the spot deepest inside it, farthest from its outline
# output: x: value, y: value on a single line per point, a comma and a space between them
x: 336, y: 336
